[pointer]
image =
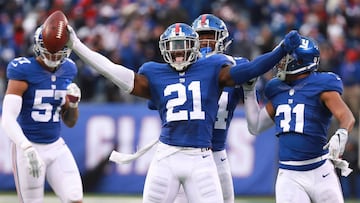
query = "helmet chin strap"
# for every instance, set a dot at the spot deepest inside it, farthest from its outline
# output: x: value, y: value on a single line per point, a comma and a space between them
x: 282, y: 73
x: 227, y: 44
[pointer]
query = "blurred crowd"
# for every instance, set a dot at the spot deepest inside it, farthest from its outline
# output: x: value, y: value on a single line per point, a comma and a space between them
x: 127, y: 31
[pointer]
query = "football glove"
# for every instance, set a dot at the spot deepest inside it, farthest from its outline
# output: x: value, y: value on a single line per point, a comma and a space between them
x: 34, y: 162
x: 72, y: 37
x: 291, y: 41
x: 73, y: 93
x: 249, y: 85
x: 337, y: 143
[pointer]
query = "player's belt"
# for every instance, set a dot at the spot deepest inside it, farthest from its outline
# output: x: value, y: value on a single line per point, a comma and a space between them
x: 194, y: 149
x: 165, y: 150
x: 305, y: 162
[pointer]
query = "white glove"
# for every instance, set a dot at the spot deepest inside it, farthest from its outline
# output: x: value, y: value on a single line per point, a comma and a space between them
x: 72, y: 37
x: 337, y: 143
x: 249, y: 85
x: 34, y: 162
x: 73, y: 93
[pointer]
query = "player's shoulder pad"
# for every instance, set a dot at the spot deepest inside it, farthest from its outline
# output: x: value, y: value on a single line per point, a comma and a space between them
x: 272, y: 87
x: 222, y: 59
x: 240, y: 60
x: 69, y: 60
x: 237, y: 59
x: 152, y: 66
x: 70, y: 66
x: 19, y: 68
x: 19, y: 62
x: 327, y: 81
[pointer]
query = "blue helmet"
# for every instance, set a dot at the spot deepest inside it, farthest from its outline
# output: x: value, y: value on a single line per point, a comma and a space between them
x: 206, y: 23
x: 179, y: 46
x: 303, y: 59
x: 52, y: 60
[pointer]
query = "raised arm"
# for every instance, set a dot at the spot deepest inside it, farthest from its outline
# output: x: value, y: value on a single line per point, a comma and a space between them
x: 244, y: 72
x: 123, y: 77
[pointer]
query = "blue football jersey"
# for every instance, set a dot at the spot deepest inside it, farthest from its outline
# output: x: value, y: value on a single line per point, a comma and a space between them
x: 301, y: 119
x: 187, y: 101
x: 229, y: 99
x: 39, y: 117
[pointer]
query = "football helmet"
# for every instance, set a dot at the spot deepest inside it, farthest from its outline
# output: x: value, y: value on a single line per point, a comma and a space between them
x: 207, y: 23
x: 52, y: 60
x: 303, y: 59
x: 179, y: 46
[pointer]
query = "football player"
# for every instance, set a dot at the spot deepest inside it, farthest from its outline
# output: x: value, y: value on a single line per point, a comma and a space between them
x: 301, y: 104
x: 185, y: 90
x: 40, y: 94
x: 213, y: 35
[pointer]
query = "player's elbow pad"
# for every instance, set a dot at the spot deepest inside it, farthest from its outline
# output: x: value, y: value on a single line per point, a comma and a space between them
x: 120, y: 75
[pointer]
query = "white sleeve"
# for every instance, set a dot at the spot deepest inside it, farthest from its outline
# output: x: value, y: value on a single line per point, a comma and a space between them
x: 120, y: 75
x: 10, y: 111
x: 257, y: 118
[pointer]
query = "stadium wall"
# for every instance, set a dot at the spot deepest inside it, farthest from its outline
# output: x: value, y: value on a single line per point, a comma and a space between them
x: 125, y: 128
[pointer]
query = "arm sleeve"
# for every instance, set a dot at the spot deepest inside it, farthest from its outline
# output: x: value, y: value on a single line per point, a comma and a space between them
x: 118, y: 74
x: 257, y: 118
x: 244, y: 72
x: 10, y: 111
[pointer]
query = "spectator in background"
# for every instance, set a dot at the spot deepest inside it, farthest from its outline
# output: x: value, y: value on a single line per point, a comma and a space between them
x: 242, y: 39
x: 172, y: 11
x: 328, y: 61
x: 243, y: 18
x: 350, y: 74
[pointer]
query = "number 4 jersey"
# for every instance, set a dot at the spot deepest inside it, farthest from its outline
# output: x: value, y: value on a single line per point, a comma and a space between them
x: 40, y: 113
x: 301, y: 118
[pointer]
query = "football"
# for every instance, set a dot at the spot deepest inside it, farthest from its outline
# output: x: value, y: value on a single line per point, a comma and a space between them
x: 55, y: 34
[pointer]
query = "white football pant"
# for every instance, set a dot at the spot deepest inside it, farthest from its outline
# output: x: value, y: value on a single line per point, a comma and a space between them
x: 320, y: 185
x: 193, y: 168
x: 224, y: 172
x: 60, y: 171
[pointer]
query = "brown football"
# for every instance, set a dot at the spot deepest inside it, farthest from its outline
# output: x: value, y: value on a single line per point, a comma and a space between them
x: 55, y: 34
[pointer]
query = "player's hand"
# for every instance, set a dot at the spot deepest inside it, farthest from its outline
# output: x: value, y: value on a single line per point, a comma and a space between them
x: 291, y: 41
x: 72, y: 37
x: 249, y: 85
x: 73, y: 93
x: 337, y: 143
x: 34, y: 162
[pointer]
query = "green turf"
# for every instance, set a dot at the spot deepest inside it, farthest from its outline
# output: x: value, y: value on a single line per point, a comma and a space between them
x: 95, y: 198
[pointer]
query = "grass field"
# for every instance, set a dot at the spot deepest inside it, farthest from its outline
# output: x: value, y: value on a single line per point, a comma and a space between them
x: 93, y: 198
